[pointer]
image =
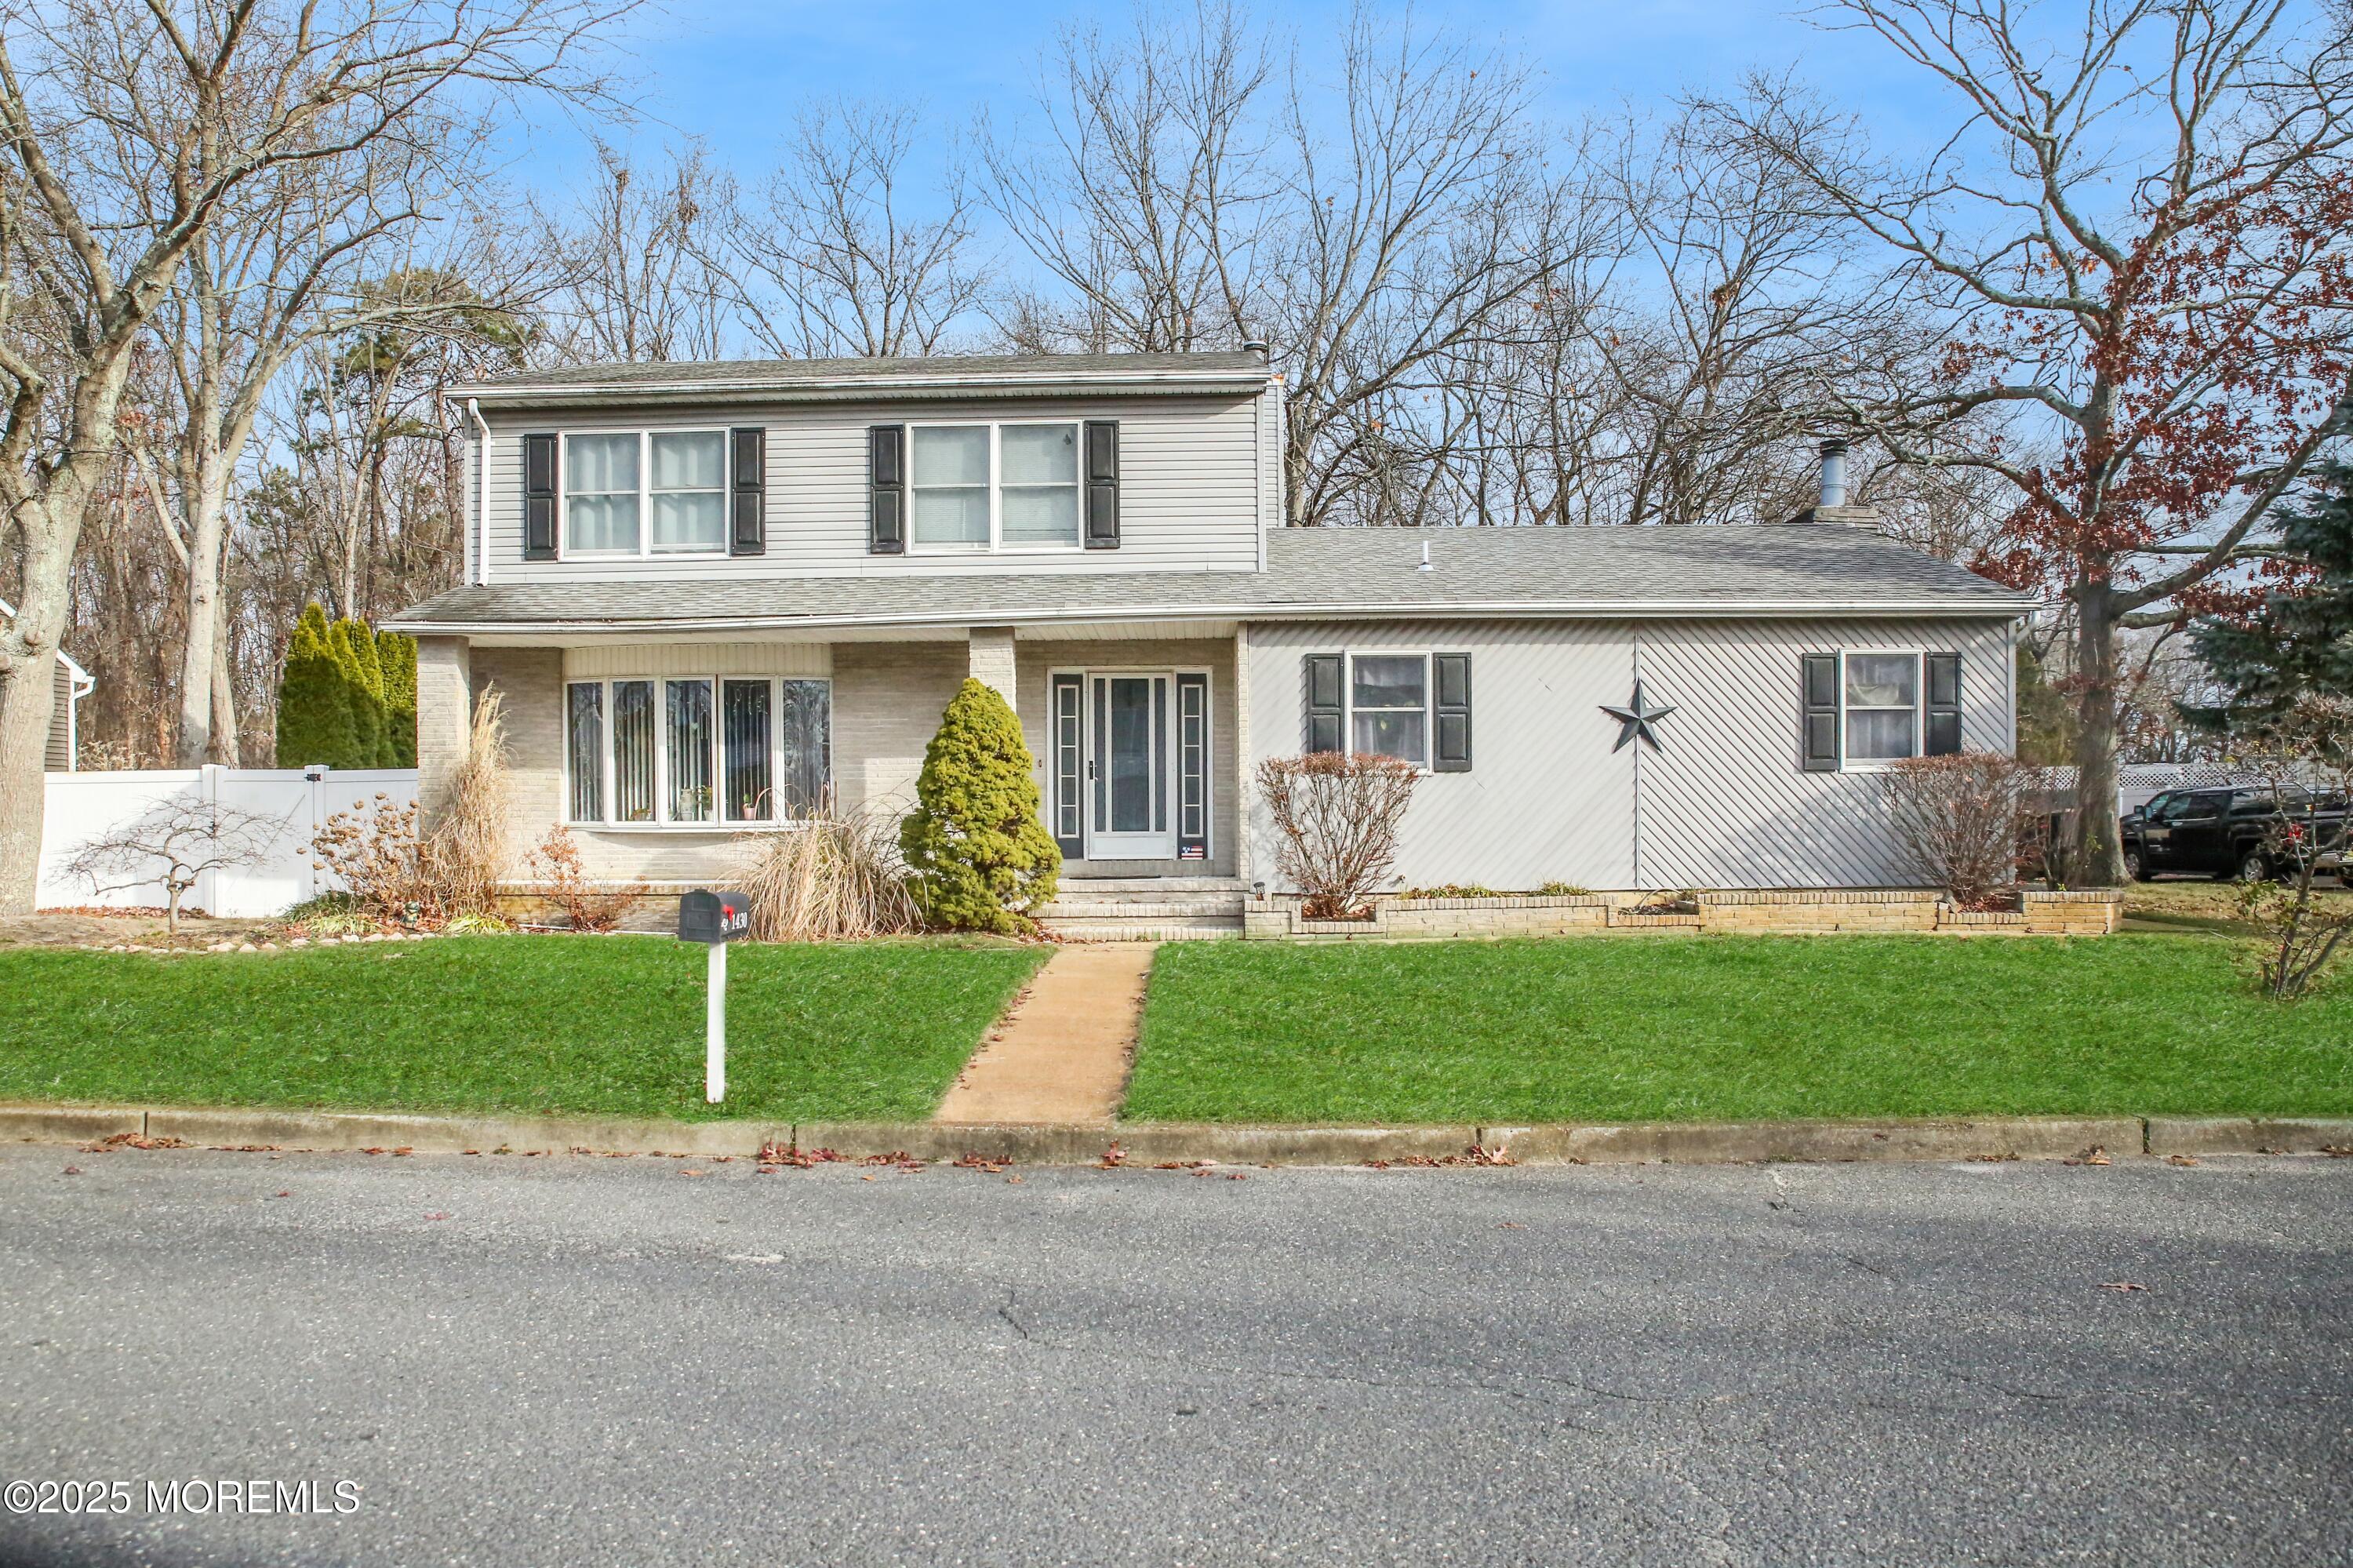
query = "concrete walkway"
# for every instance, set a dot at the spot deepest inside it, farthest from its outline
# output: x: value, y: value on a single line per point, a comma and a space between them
x: 1061, y: 1056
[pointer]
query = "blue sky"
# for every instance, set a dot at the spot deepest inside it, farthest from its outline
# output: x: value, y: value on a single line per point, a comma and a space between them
x: 731, y: 72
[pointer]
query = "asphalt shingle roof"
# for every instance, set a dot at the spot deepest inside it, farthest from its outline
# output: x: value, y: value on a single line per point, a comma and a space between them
x: 1312, y: 573
x: 786, y: 376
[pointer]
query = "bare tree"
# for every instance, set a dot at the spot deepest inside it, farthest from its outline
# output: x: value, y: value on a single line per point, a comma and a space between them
x: 98, y: 213
x: 1338, y: 814
x: 1149, y: 204
x: 639, y: 255
x: 2141, y: 233
x: 175, y: 844
x: 849, y: 267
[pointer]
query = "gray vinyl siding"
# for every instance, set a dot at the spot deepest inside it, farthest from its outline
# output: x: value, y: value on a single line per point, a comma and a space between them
x: 1723, y: 803
x: 1191, y: 489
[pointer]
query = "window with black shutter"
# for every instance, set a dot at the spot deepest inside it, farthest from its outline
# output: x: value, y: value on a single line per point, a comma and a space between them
x: 1326, y: 705
x: 887, y: 490
x: 1103, y: 484
x: 539, y: 482
x: 1449, y: 750
x: 1942, y: 733
x: 1818, y: 730
x: 749, y: 535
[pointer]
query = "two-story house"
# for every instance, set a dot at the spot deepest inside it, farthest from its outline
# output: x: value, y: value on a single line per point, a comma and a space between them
x: 711, y: 593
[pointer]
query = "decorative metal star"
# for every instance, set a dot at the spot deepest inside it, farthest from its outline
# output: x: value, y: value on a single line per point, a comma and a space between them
x: 1635, y: 720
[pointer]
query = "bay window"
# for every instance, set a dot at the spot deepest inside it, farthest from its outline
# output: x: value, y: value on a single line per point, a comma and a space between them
x: 993, y: 487
x: 702, y: 751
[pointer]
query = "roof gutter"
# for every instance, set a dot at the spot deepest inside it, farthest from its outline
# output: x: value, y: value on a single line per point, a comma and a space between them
x: 1498, y: 610
x: 839, y: 386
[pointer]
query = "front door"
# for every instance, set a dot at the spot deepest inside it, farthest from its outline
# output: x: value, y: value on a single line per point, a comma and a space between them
x: 1127, y: 768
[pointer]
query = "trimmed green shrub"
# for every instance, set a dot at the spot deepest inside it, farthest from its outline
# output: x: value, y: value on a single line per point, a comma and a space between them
x: 396, y: 655
x: 354, y: 650
x: 315, y: 722
x: 978, y: 855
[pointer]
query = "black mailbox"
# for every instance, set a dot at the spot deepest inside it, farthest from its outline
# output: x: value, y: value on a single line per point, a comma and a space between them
x: 714, y: 916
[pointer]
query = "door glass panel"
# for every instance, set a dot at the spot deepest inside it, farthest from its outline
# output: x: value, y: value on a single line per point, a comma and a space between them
x: 1129, y: 760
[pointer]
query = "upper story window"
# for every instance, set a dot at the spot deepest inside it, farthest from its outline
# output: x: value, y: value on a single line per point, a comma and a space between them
x: 993, y: 487
x: 645, y: 493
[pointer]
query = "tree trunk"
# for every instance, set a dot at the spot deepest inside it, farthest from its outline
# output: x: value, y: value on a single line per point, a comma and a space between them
x: 28, y: 692
x: 2099, y: 845
x: 196, y: 650
x: 228, y: 743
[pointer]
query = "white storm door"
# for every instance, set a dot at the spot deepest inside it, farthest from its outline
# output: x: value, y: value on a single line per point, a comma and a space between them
x: 1128, y: 769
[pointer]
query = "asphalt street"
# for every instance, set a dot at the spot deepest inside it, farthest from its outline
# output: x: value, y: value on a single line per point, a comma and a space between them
x: 575, y: 1360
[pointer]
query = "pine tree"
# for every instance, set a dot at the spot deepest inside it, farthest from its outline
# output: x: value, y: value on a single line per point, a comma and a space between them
x: 2300, y: 641
x: 979, y: 858
x: 354, y: 650
x: 397, y: 657
x: 314, y: 699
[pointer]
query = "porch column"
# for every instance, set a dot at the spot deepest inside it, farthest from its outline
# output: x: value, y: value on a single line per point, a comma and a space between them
x: 444, y: 714
x: 1242, y: 778
x: 992, y: 660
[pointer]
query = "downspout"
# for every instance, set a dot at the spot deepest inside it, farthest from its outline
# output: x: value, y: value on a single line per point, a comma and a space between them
x: 482, y: 493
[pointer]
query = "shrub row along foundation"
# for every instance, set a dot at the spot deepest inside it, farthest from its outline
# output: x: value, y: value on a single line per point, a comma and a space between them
x: 1789, y: 910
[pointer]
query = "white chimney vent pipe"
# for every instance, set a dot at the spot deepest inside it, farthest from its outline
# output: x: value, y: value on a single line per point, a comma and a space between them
x: 1833, y: 474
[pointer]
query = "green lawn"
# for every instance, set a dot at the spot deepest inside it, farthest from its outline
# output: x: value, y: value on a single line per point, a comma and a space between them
x: 1729, y: 1027
x: 579, y: 1025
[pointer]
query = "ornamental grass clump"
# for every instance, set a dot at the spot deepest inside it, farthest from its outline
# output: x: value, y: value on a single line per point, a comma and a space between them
x: 979, y: 858
x: 830, y: 876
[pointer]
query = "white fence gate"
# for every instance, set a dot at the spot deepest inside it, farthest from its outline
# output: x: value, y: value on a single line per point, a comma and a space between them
x: 85, y: 807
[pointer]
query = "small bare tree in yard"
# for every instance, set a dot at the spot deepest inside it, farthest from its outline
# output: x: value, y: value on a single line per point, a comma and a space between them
x: 1338, y: 814
x: 175, y: 845
x: 2308, y: 761
x: 1960, y: 822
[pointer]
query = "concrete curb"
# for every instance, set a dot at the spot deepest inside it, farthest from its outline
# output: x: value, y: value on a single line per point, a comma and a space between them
x: 1152, y: 1143
x: 2247, y: 1135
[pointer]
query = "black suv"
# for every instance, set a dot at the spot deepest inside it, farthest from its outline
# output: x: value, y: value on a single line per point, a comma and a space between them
x: 2227, y: 833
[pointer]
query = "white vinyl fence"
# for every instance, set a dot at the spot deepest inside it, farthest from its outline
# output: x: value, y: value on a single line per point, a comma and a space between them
x: 84, y: 806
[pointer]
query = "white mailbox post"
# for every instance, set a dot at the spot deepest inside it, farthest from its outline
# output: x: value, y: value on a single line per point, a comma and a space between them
x: 714, y: 919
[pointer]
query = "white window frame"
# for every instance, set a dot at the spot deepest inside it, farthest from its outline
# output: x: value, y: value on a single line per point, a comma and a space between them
x: 1348, y: 657
x: 719, y: 822
x: 644, y: 550
x: 997, y: 545
x: 1848, y: 761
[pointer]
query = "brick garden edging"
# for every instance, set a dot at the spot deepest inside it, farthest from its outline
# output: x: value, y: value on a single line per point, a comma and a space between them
x: 1277, y: 916
x: 1152, y: 1143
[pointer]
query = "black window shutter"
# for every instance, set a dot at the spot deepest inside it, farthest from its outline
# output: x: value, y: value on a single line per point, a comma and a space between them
x: 1451, y: 752
x: 1943, y: 732
x: 749, y: 449
x: 1103, y: 484
x: 539, y: 482
x: 1320, y: 672
x: 1820, y: 730
x: 887, y: 484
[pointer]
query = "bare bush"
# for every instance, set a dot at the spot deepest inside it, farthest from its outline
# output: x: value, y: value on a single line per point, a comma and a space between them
x: 175, y: 845
x: 833, y: 875
x: 399, y: 875
x: 1960, y: 822
x: 2306, y: 756
x: 1338, y: 814
x: 555, y: 866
